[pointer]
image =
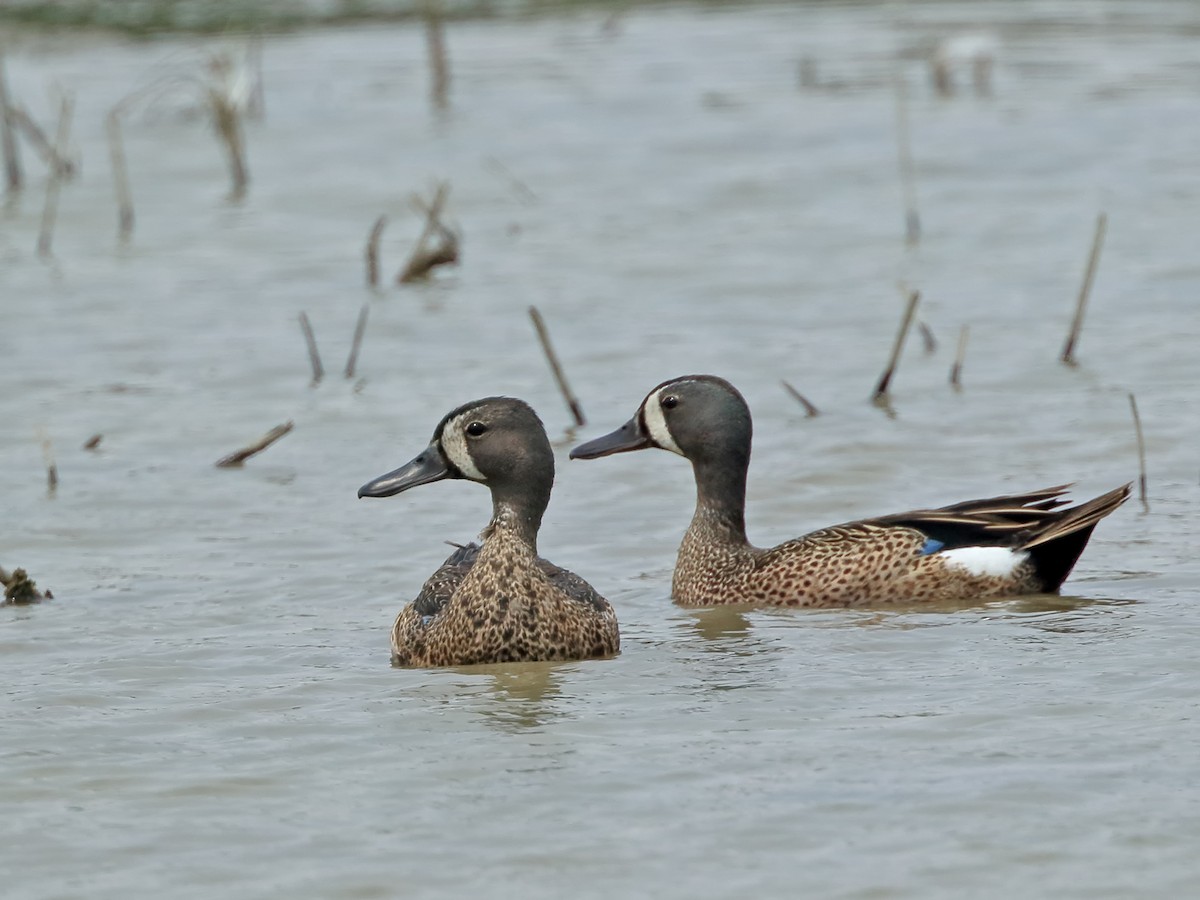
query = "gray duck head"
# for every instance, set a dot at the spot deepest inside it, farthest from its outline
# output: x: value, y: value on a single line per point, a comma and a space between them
x: 701, y: 417
x: 498, y: 441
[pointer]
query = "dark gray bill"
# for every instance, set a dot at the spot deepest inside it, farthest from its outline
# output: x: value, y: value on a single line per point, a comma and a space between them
x: 430, y: 466
x: 628, y: 437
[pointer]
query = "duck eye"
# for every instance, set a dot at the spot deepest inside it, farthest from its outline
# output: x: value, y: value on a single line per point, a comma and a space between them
x: 475, y: 429
x: 670, y: 401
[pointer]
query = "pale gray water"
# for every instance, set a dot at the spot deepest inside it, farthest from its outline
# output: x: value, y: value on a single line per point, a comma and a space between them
x: 207, y: 707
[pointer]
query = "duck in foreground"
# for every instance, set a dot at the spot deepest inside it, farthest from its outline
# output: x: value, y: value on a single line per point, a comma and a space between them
x: 499, y: 602
x: 1018, y: 544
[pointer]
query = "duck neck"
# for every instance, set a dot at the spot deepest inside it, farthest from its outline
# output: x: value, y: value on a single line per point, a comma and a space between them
x: 721, y: 498
x: 516, y: 518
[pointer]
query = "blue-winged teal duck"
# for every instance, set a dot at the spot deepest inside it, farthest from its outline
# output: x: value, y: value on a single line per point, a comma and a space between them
x: 1003, y: 545
x: 500, y: 602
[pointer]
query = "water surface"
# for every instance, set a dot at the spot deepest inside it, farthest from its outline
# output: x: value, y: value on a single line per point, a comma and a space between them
x: 208, y: 705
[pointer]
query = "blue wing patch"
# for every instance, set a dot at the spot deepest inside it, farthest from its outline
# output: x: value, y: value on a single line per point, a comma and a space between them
x: 930, y: 546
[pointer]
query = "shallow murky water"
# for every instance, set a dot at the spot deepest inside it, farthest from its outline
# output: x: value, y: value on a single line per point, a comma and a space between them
x: 208, y: 705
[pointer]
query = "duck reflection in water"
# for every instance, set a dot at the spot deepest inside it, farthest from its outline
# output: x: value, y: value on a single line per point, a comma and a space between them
x: 521, y: 696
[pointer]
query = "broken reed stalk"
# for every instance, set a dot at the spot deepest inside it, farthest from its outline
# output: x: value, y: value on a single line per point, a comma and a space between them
x: 120, y: 171
x: 372, y: 252
x: 424, y: 259
x: 240, y: 456
x: 54, y: 182
x: 8, y: 140
x: 314, y: 357
x: 908, y: 177
x: 885, y: 380
x: 544, y: 337
x: 228, y: 121
x: 439, y: 65
x: 51, y: 466
x: 959, y: 357
x: 50, y: 155
x: 1141, y: 448
x: 1068, y: 351
x: 810, y: 411
x: 360, y: 328
x: 927, y: 338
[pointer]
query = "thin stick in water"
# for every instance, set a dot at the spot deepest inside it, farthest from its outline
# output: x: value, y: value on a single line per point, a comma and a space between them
x: 372, y: 252
x: 54, y: 182
x: 810, y: 411
x: 927, y: 338
x: 908, y: 178
x: 314, y: 357
x: 47, y: 151
x: 227, y: 110
x: 51, y: 466
x: 240, y: 456
x: 439, y: 65
x: 1141, y: 448
x: 885, y: 380
x: 8, y: 140
x: 360, y: 328
x: 544, y: 337
x: 959, y: 357
x: 1068, y: 351
x: 120, y: 170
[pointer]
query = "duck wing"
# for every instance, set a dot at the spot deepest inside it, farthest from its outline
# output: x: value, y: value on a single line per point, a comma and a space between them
x: 572, y: 585
x: 442, y: 584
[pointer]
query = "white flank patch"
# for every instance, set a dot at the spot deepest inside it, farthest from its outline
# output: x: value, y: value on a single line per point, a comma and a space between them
x: 985, y: 562
x: 454, y: 445
x: 656, y: 424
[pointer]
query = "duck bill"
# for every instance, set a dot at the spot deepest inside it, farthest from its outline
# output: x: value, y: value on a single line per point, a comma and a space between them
x: 628, y: 437
x: 428, y: 467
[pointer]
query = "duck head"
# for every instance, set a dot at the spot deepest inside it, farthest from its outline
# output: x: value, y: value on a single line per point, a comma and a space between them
x: 498, y: 442
x: 700, y: 417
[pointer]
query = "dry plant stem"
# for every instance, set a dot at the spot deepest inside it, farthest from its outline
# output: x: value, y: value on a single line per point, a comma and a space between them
x: 1141, y: 447
x: 927, y: 337
x: 885, y: 380
x: 544, y: 337
x: 240, y: 456
x: 49, y: 154
x: 360, y: 328
x: 314, y: 357
x: 51, y: 466
x: 1068, y: 352
x: 8, y: 140
x: 372, y: 252
x: 120, y: 170
x: 810, y: 411
x: 229, y: 129
x: 54, y: 183
x: 959, y: 357
x: 908, y: 178
x: 439, y: 65
x: 423, y: 258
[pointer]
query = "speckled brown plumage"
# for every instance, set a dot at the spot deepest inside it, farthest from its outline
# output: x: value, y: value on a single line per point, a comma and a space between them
x: 997, y: 546
x: 503, y: 603
x: 499, y: 602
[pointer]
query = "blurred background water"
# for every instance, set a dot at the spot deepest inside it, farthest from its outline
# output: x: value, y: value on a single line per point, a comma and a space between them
x: 207, y: 704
